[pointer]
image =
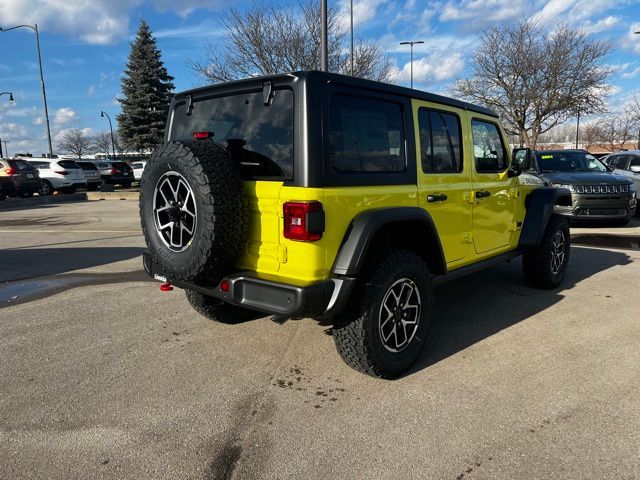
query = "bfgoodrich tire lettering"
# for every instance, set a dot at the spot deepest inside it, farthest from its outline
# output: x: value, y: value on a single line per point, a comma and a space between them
x: 220, y: 204
x: 395, y: 292
x: 545, y: 266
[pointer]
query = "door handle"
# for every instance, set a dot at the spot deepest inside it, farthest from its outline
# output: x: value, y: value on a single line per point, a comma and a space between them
x: 439, y: 197
x: 483, y: 194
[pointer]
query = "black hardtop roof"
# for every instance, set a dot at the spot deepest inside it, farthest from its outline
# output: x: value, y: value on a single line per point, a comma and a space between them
x: 359, y: 83
x: 564, y: 150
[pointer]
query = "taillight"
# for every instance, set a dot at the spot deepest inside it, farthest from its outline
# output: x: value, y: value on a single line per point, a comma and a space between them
x: 303, y: 221
x: 202, y: 135
x: 62, y: 172
x: 9, y: 170
x: 114, y: 171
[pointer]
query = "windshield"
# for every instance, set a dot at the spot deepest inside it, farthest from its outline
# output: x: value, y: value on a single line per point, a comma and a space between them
x: 257, y: 136
x: 569, y: 162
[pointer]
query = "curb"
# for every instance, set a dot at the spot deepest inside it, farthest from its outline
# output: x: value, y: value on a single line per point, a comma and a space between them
x: 34, y: 201
x: 113, y: 196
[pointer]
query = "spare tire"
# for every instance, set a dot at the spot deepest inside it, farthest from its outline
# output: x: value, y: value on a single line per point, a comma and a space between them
x: 193, y: 210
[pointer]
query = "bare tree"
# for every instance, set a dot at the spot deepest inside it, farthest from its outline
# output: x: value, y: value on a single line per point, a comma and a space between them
x: 268, y: 39
x: 120, y: 147
x: 102, y: 142
x: 75, y: 142
x: 617, y: 129
x: 535, y: 79
x: 591, y: 134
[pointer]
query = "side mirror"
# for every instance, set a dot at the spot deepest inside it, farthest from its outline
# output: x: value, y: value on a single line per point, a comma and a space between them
x: 521, y: 159
x: 635, y: 168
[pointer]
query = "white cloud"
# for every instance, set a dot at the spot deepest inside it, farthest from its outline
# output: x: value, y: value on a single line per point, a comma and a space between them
x: 436, y: 67
x: 65, y: 115
x: 631, y: 74
x: 484, y: 11
x: 96, y: 22
x: 601, y: 25
x: 12, y: 131
x: 632, y: 39
x: 59, y: 135
x: 363, y: 12
x: 38, y: 121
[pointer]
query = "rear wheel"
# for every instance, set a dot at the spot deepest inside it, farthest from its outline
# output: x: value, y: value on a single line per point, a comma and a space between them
x: 126, y: 185
x: 545, y: 266
x: 25, y: 194
x: 2, y: 196
x: 92, y: 187
x: 384, y: 327
x: 219, y: 311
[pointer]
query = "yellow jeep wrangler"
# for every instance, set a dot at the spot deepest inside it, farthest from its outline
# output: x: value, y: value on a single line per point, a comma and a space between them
x: 318, y: 195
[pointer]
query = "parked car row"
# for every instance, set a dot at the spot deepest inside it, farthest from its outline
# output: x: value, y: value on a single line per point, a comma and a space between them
x: 23, y: 178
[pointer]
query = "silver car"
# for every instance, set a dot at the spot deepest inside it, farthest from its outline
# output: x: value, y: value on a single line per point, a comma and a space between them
x: 627, y: 164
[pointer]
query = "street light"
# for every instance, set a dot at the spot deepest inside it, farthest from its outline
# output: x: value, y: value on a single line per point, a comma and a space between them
x: 44, y: 93
x: 582, y: 100
x: 352, y: 38
x: 10, y: 96
x: 412, y: 43
x: 113, y: 144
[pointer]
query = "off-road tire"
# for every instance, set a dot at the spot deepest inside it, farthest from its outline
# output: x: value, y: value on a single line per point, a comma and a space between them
x: 537, y: 262
x: 356, y: 331
x: 221, y: 209
x: 219, y: 311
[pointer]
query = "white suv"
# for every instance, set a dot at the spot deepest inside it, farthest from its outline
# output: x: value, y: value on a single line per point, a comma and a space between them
x: 64, y: 176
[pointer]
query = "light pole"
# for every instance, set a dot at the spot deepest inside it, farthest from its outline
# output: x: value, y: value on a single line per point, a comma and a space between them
x: 113, y: 144
x: 6, y: 149
x: 412, y: 43
x: 10, y: 96
x: 44, y: 92
x: 352, y: 38
x: 581, y: 101
x: 324, y: 43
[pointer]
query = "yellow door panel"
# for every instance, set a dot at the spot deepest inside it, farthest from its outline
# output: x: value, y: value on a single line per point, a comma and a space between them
x: 445, y: 195
x: 494, y: 192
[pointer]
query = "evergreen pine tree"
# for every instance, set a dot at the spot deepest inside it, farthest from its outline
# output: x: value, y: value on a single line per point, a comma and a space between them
x: 146, y: 93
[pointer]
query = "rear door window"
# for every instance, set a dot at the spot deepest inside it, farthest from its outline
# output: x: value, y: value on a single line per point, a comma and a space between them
x: 22, y: 165
x: 87, y: 166
x: 366, y: 135
x: 440, y: 134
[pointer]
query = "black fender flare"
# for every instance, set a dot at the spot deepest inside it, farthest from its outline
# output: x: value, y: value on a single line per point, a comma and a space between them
x: 540, y: 205
x: 366, y: 225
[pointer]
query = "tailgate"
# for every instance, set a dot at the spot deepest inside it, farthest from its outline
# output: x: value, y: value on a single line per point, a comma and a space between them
x: 262, y: 249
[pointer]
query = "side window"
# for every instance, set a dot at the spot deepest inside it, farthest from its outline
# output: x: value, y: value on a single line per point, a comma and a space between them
x: 618, y: 161
x: 488, y: 150
x: 366, y: 135
x: 635, y: 162
x: 440, y: 150
x: 21, y: 165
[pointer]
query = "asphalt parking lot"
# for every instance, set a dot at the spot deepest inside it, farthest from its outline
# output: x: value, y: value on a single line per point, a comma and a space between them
x: 104, y: 376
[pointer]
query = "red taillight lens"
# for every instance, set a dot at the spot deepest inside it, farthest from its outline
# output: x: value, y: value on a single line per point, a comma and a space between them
x: 114, y: 171
x: 202, y: 135
x: 225, y: 285
x: 303, y: 221
x: 9, y: 170
x: 62, y: 172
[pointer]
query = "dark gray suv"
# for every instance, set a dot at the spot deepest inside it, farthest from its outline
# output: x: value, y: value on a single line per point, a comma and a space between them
x: 597, y: 193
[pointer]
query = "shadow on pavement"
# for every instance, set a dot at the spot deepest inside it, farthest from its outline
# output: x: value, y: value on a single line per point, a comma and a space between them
x: 476, y: 307
x: 20, y: 264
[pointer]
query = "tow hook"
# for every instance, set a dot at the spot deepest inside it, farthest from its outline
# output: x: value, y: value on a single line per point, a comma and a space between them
x: 166, y: 287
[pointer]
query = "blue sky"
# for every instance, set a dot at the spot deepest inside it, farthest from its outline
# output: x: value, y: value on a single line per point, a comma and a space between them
x: 85, y: 46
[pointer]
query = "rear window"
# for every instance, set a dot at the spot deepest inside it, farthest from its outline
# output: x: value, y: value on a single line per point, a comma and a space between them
x: 102, y: 165
x: 21, y: 165
x: 70, y: 164
x: 257, y: 136
x: 87, y: 166
x: 40, y: 165
x: 121, y: 166
x: 137, y: 165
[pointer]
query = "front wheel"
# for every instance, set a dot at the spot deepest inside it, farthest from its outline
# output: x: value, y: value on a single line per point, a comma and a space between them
x: 45, y: 189
x: 217, y: 310
x: 545, y: 266
x: 384, y: 327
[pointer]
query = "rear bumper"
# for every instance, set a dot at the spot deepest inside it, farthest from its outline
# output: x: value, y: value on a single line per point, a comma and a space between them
x: 322, y: 299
